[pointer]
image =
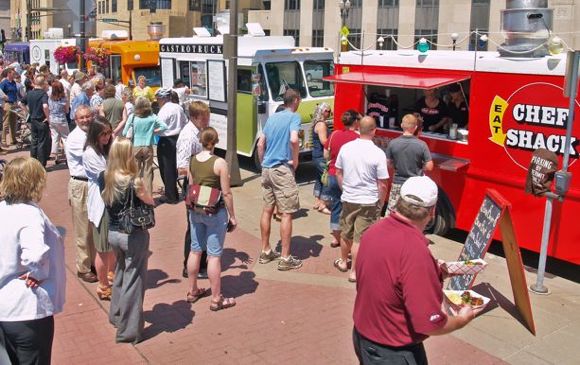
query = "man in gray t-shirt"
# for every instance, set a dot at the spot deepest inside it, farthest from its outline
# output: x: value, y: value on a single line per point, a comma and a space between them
x: 408, y: 155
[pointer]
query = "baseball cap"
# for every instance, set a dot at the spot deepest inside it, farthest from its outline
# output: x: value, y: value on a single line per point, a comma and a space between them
x: 419, y: 190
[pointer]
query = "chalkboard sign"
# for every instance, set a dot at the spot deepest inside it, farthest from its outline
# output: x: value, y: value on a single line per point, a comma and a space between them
x: 479, y: 238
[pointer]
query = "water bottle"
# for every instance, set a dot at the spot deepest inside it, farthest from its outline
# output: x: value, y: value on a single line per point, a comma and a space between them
x: 453, y: 131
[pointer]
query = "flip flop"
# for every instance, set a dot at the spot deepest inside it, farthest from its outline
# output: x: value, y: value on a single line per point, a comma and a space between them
x: 337, y: 265
x: 334, y: 244
x: 197, y: 295
x: 351, y: 280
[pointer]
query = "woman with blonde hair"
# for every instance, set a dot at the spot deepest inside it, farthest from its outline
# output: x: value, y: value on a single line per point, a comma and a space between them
x: 32, y: 270
x: 319, y: 137
x: 208, y: 231
x: 141, y: 127
x: 142, y: 89
x: 123, y: 186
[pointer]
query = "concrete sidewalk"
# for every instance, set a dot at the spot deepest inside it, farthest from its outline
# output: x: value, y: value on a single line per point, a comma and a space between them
x: 299, y: 317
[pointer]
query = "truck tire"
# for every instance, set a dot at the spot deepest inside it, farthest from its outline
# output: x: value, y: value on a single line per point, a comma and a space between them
x: 444, y: 218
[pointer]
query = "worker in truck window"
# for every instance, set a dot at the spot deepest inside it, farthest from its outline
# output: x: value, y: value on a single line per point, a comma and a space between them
x: 457, y: 106
x: 142, y: 89
x: 378, y: 109
x: 433, y: 111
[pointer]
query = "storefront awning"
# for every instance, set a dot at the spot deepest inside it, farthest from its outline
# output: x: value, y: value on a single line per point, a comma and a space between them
x: 415, y: 80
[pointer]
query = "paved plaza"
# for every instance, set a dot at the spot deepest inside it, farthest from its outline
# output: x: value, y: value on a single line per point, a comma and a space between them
x: 298, y: 317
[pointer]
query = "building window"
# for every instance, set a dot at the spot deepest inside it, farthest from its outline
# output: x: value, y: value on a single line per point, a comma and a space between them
x: 208, y: 6
x: 291, y: 4
x: 194, y: 5
x: 129, y: 4
x: 354, y: 38
x: 163, y: 4
x: 113, y: 6
x: 427, y: 21
x: 267, y: 5
x: 318, y: 38
x: 480, y: 22
x: 293, y: 33
x: 107, y: 6
x: 390, y: 36
x: 155, y: 4
x: 388, y: 3
x: 318, y: 5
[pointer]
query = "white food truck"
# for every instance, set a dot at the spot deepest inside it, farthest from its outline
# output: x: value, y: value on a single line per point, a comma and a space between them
x: 267, y: 66
x: 42, y: 50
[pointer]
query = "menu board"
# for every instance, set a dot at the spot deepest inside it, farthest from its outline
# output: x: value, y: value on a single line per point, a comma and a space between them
x: 167, y: 77
x: 216, y: 73
x: 479, y: 238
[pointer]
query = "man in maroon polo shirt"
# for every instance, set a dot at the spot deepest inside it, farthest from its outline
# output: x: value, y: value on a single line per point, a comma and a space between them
x: 399, y: 284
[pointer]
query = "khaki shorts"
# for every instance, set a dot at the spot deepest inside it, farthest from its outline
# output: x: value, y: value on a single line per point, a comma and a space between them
x: 356, y: 218
x: 279, y: 188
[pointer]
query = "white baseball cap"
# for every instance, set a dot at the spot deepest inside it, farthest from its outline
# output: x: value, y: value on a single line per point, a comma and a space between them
x: 419, y: 190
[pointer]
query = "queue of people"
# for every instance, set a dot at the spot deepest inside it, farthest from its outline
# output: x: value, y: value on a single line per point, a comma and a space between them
x: 110, y: 156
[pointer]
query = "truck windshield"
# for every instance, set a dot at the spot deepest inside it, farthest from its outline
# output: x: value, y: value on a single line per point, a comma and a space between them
x: 152, y: 75
x: 315, y: 71
x: 283, y: 76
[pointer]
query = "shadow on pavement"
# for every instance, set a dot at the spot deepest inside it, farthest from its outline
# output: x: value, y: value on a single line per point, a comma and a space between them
x: 167, y: 318
x: 304, y: 247
x: 499, y: 300
x: 156, y: 278
x: 230, y: 256
x: 237, y: 286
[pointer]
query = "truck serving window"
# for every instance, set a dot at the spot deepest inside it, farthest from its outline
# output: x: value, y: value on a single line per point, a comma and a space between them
x: 194, y: 75
x: 282, y: 76
x: 152, y: 75
x: 315, y: 71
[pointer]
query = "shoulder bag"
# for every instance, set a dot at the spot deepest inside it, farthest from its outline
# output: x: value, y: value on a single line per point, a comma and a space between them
x: 135, y: 214
x: 203, y: 199
x: 324, y: 175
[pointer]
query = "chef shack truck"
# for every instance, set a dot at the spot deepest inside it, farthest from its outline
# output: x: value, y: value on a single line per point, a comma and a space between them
x: 267, y: 67
x: 515, y: 106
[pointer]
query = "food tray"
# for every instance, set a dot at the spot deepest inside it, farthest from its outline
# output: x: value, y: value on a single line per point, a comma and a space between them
x: 449, y: 294
x: 467, y: 267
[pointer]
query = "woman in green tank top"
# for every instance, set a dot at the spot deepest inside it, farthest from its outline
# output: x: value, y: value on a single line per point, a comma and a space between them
x: 208, y: 232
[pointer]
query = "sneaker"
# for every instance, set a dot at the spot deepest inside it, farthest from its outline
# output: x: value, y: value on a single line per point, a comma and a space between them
x: 289, y: 263
x: 268, y: 257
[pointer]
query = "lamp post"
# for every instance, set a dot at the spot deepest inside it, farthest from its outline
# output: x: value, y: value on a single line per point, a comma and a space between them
x: 344, y: 7
x: 454, y: 37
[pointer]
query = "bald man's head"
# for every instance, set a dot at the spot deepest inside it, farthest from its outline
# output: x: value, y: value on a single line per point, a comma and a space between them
x: 367, y: 126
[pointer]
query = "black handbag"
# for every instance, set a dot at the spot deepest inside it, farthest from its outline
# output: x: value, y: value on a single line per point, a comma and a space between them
x: 135, y: 214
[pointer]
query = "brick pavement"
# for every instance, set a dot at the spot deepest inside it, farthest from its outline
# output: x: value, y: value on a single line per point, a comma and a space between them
x: 301, y: 317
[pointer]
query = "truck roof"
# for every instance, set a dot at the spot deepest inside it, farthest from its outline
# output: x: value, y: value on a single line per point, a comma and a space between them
x: 458, y: 60
x: 125, y: 46
x: 250, y: 47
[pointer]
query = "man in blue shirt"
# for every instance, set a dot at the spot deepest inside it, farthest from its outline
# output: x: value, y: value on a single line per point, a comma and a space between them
x: 10, y: 90
x: 278, y: 152
x: 84, y: 98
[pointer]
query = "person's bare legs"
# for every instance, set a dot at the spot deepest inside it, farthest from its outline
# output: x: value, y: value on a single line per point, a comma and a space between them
x: 192, y: 269
x: 111, y: 263
x: 354, y: 251
x: 214, y: 272
x: 266, y: 226
x: 286, y: 233
x: 102, y: 267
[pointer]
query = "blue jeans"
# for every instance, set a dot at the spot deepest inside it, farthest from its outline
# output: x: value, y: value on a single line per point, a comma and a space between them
x: 334, y: 193
x: 320, y: 191
x: 208, y: 232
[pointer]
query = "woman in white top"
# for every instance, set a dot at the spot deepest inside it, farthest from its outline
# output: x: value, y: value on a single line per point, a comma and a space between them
x: 127, y: 98
x: 32, y: 270
x: 94, y: 162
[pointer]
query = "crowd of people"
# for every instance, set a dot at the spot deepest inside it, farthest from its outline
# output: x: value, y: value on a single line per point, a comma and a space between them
x: 108, y: 133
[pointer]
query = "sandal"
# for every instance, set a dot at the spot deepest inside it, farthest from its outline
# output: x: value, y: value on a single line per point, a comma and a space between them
x: 337, y: 263
x: 222, y: 303
x: 324, y: 210
x: 110, y: 277
x: 334, y: 244
x: 197, y: 295
x: 104, y: 293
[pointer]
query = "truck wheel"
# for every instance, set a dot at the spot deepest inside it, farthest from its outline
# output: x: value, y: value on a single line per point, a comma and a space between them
x: 444, y: 218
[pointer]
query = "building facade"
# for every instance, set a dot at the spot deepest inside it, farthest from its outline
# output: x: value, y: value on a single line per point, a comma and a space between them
x: 401, y: 23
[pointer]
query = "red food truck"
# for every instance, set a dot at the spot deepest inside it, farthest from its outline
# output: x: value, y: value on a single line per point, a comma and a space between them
x: 515, y: 105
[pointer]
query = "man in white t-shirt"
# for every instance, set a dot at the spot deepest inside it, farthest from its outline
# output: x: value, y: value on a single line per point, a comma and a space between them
x: 361, y: 171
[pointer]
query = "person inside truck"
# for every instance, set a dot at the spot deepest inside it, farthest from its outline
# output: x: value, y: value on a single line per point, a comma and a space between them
x: 433, y: 111
x: 457, y: 106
